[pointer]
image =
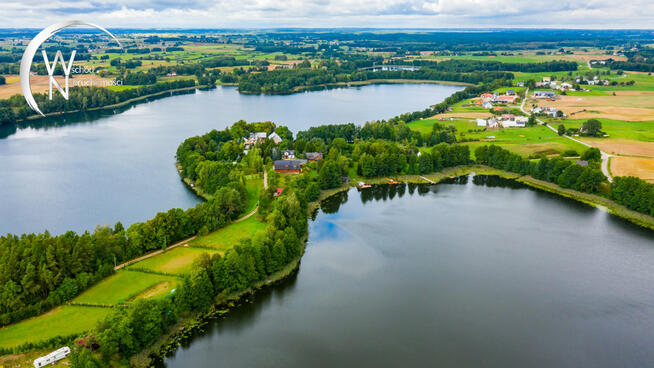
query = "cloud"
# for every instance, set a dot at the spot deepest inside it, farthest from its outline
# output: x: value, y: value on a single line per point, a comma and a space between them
x: 334, y: 13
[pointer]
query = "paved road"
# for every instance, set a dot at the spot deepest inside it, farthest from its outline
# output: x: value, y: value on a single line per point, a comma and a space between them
x: 605, y: 156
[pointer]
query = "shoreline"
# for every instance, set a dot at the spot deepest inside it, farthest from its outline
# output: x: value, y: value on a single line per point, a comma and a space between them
x: 319, y: 87
x: 113, y: 106
x: 136, y: 100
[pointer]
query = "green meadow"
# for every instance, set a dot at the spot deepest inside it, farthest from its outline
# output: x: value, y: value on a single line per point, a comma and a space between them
x: 177, y: 261
x: 231, y: 235
x: 125, y: 286
x: 61, y: 321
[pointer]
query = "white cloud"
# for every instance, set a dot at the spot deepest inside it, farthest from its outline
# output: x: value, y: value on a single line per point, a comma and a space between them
x: 333, y: 13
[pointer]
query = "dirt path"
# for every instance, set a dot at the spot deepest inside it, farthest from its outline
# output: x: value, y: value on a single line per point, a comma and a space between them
x: 605, y: 156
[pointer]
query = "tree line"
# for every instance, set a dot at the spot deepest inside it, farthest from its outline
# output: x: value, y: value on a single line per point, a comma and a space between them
x: 465, y: 66
x: 80, y: 99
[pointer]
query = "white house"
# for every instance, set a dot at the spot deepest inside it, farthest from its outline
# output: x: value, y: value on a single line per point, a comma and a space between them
x: 52, y: 358
x: 481, y: 122
x: 487, y: 105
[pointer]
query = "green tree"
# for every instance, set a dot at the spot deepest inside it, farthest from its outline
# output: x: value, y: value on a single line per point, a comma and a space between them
x: 82, y: 358
x: 592, y: 154
x: 592, y: 127
x: 313, y: 191
x: 329, y: 175
x: 561, y: 129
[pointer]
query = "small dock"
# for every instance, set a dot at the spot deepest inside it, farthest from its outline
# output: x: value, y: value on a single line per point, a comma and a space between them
x: 430, y: 181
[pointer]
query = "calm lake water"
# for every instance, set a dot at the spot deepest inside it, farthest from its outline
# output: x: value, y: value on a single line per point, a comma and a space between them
x: 76, y: 172
x: 479, y: 272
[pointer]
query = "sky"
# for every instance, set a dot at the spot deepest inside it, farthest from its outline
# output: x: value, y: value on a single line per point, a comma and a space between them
x: 587, y: 14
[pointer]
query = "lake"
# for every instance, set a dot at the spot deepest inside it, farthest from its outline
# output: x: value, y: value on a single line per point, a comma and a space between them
x: 76, y: 172
x: 479, y: 271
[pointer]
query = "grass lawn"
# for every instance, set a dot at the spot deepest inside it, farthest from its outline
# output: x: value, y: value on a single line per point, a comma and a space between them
x: 124, y: 285
x: 61, y: 321
x: 229, y: 236
x: 176, y: 261
x: 636, y: 130
x: 254, y: 186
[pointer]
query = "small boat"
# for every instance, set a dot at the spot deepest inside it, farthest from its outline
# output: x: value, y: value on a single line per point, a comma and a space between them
x: 392, y: 182
x: 362, y: 185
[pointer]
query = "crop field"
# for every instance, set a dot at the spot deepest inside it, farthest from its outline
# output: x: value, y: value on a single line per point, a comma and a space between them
x: 61, y: 321
x: 176, y: 261
x: 618, y: 146
x: 633, y: 166
x: 625, y: 105
x: 231, y: 235
x: 126, y: 286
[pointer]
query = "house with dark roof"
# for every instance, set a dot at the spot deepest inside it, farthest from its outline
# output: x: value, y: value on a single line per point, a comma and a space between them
x: 289, y: 166
x: 314, y: 156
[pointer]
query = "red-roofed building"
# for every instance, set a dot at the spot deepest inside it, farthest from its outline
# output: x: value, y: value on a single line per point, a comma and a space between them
x: 278, y: 192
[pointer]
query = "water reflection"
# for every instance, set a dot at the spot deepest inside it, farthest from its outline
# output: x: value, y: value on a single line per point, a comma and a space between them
x: 456, y: 274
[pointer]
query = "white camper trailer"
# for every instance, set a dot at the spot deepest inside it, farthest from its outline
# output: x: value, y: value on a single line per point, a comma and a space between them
x: 52, y: 358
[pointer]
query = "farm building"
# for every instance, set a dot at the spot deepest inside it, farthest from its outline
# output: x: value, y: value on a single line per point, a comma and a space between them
x: 289, y: 166
x: 52, y: 358
x: 314, y: 156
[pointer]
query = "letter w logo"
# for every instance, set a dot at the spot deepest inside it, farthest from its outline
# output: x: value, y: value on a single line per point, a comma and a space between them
x: 51, y: 70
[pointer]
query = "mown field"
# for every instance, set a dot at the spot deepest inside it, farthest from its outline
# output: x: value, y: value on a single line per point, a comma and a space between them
x: 126, y: 286
x: 177, y: 261
x: 226, y: 238
x: 61, y: 321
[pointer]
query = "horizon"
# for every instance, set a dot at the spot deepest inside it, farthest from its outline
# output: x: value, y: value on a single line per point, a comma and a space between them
x: 396, y: 14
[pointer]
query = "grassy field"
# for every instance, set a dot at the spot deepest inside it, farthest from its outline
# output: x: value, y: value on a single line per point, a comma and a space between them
x: 634, y: 130
x: 125, y: 286
x: 226, y: 238
x: 254, y: 185
x: 177, y: 261
x: 524, y: 141
x: 61, y: 321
